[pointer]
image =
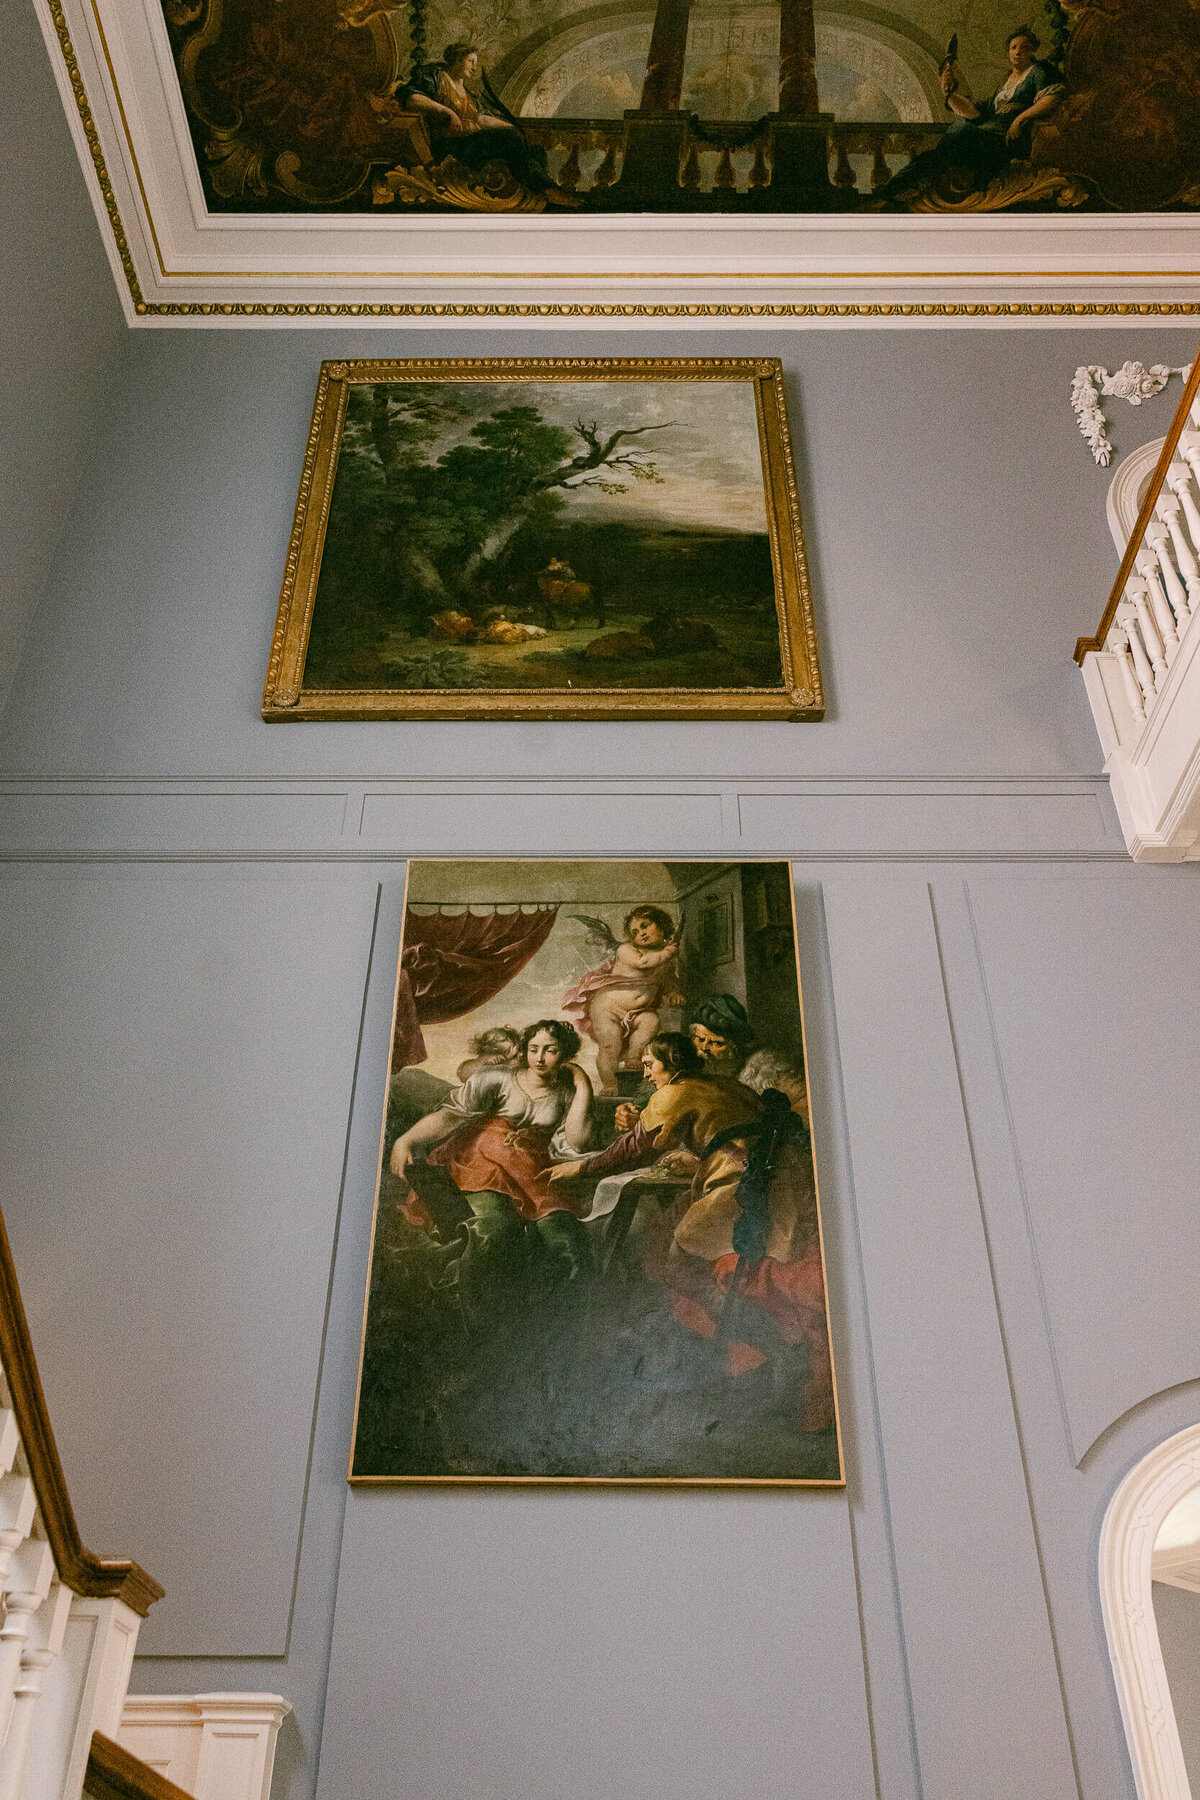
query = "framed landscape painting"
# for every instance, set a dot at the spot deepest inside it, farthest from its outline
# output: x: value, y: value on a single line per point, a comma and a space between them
x: 560, y: 539
x: 597, y: 1251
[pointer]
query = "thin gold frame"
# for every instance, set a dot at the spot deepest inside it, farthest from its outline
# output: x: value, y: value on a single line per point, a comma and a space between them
x: 606, y: 1481
x: 800, y: 695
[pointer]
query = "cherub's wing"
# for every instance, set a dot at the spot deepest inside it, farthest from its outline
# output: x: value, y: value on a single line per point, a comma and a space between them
x: 598, y: 931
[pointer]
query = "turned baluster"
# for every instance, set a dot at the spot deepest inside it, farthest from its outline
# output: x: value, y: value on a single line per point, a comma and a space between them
x: 1170, y: 514
x: 689, y: 175
x: 843, y: 175
x: 760, y: 174
x: 1181, y: 479
x: 568, y: 175
x: 18, y: 1503
x: 43, y: 1646
x: 880, y: 172
x: 1127, y: 618
x: 1189, y: 449
x: 28, y: 1584
x: 1151, y: 636
x: 1146, y: 585
x: 725, y: 176
x: 606, y: 174
x: 1118, y: 643
x: 1158, y: 538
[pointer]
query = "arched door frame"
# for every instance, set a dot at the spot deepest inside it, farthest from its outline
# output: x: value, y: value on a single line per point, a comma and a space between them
x: 1131, y: 1525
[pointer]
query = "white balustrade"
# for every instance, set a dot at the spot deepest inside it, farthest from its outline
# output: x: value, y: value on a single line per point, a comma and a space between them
x: 44, y: 1643
x: 1144, y: 683
x: 65, y: 1658
x: 69, y: 1625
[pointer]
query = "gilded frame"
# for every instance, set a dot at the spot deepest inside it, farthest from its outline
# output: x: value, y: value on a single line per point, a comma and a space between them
x: 800, y: 695
x: 835, y: 1480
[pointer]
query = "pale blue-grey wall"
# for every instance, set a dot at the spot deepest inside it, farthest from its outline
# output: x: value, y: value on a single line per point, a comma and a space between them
x: 198, y: 933
x: 61, y: 329
x: 957, y: 532
x: 1177, y: 1611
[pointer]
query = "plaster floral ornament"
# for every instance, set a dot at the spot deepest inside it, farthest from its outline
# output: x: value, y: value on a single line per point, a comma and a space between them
x: 1133, y: 381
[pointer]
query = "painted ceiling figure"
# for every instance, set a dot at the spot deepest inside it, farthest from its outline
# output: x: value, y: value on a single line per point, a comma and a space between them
x: 456, y: 125
x: 989, y: 134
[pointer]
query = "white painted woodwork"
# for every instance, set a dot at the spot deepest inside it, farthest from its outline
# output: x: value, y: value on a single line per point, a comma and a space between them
x: 1131, y: 1526
x: 216, y: 1746
x: 1177, y: 1545
x: 1144, y: 686
x: 182, y: 254
x: 65, y: 1663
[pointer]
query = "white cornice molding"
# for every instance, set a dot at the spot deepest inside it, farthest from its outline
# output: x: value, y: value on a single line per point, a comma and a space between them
x: 176, y: 264
x: 1131, y: 1525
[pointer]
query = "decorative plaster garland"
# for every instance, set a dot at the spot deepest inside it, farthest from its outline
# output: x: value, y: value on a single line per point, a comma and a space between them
x: 1133, y: 381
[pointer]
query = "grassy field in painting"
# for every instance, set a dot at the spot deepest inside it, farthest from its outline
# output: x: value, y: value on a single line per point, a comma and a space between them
x: 707, y: 597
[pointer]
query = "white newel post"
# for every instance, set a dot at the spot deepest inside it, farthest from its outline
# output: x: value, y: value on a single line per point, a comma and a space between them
x: 215, y: 1746
x: 84, y: 1691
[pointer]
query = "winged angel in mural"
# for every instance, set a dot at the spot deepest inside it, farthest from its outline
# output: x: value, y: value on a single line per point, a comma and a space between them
x: 741, y: 106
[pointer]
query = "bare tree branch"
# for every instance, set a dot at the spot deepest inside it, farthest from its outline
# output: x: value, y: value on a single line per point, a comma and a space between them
x: 600, y: 452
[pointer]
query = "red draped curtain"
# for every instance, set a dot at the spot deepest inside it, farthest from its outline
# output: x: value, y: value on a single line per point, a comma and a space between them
x: 454, y: 962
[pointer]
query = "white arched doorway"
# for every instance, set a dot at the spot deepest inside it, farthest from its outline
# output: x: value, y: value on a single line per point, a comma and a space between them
x: 1132, y: 1524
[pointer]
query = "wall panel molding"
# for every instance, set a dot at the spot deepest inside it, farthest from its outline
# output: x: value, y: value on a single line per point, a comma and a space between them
x: 1096, y: 1046
x: 977, y: 1636
x: 903, y: 820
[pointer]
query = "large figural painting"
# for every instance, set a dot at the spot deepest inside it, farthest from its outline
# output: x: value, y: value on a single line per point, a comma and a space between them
x: 732, y: 106
x: 576, y: 538
x: 597, y: 1249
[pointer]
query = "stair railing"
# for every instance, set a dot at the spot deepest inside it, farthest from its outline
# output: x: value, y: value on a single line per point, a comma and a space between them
x: 71, y: 1618
x: 1157, y: 591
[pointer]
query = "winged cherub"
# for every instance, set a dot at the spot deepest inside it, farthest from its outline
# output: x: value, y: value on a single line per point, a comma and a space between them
x: 618, y: 1002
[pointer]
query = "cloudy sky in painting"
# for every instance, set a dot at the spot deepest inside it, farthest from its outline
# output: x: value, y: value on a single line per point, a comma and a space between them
x: 707, y: 451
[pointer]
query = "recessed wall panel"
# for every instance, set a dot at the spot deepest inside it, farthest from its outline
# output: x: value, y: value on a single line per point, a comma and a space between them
x: 176, y: 1058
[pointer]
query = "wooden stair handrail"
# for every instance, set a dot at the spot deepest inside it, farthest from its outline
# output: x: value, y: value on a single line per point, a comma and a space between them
x: 114, y: 1774
x: 97, y: 1577
x: 1170, y: 444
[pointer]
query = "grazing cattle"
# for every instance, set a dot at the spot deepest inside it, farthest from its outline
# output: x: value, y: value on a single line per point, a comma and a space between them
x: 504, y: 631
x: 619, y: 646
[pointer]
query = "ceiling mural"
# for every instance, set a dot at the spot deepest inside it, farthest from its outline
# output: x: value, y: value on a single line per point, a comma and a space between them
x: 544, y: 106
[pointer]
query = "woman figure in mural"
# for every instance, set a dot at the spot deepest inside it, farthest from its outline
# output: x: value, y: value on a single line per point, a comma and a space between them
x: 989, y: 134
x: 438, y: 91
x: 498, y: 1136
x: 743, y: 1262
x: 721, y: 1031
x: 619, y: 1003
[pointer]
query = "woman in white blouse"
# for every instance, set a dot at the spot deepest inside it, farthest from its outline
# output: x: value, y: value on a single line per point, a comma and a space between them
x: 501, y: 1132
